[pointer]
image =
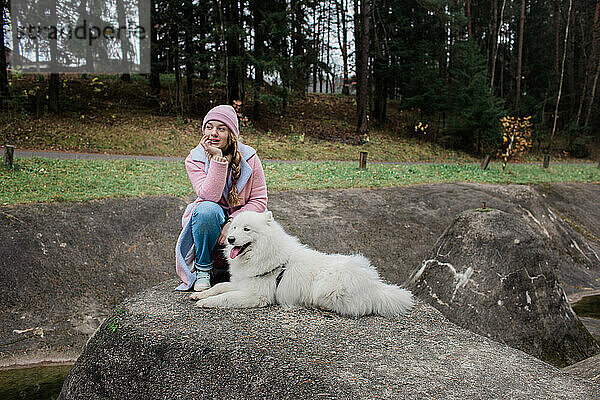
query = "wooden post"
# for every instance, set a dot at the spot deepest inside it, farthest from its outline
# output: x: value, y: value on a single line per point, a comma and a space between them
x: 9, y: 152
x: 363, y: 160
x: 486, y: 162
x: 546, y: 160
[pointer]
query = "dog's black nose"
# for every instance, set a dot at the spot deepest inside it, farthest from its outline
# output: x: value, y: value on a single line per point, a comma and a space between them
x: 231, y: 239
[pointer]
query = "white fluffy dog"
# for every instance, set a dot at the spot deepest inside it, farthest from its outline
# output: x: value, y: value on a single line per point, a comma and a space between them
x: 269, y: 266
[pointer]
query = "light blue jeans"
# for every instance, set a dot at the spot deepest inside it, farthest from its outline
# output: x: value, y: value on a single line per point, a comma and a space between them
x: 207, y: 221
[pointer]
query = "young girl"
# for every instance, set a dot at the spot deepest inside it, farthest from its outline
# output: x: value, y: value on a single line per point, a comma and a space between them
x: 228, y: 178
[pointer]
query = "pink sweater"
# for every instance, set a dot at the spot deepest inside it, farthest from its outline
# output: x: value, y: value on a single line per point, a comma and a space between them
x: 209, y: 180
x: 209, y: 185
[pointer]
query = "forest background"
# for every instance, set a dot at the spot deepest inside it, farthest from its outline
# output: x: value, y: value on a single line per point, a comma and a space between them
x: 459, y: 74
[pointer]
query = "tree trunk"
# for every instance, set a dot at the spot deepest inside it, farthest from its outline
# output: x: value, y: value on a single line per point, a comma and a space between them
x: 299, y: 67
x: 468, y: 15
x: 174, y: 63
x: 328, y: 83
x: 154, y: 67
x: 233, y: 50
x: 37, y: 56
x: 380, y: 68
x: 53, y: 92
x: 53, y: 84
x: 189, y: 50
x: 585, y: 70
x: 259, y: 46
x: 570, y: 66
x: 594, y: 57
x: 3, y: 72
x: 503, y: 62
x: 520, y: 57
x: 562, y: 73
x: 443, y: 38
x: 493, y: 44
x: 144, y: 11
x: 203, y: 14
x: 556, y: 23
x: 125, y: 67
x: 315, y: 50
x: 178, y: 85
x: 497, y: 27
x: 581, y: 100
x: 381, y: 89
x: 587, y: 64
x: 83, y: 13
x: 16, y: 51
x: 342, y: 36
x: 361, y: 32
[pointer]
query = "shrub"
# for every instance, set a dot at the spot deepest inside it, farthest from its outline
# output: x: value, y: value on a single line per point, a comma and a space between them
x: 579, y: 148
x: 516, y: 137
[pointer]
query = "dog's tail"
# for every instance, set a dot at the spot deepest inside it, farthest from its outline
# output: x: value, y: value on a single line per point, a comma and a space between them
x: 392, y: 300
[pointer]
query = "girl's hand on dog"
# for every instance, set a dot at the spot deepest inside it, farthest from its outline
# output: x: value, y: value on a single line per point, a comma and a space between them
x: 212, y: 150
x: 223, y: 234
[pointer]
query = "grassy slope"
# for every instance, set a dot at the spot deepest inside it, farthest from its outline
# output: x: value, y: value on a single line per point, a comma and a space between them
x: 110, y: 116
x: 114, y: 117
x: 132, y: 132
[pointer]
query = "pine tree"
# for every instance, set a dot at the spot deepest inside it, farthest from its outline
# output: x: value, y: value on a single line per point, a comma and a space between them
x: 475, y: 113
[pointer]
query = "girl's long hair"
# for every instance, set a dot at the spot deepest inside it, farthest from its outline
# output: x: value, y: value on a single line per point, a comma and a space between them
x: 232, y: 153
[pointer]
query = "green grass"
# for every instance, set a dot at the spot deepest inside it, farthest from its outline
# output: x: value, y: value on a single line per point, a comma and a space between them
x: 43, y: 180
x: 308, y: 175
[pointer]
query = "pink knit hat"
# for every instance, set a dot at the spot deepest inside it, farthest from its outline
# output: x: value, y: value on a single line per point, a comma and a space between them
x: 225, y: 114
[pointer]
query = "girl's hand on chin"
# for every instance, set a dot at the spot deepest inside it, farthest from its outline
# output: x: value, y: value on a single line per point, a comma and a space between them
x: 212, y: 150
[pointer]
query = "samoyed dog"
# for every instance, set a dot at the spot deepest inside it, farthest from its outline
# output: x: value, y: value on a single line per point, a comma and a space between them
x: 268, y: 266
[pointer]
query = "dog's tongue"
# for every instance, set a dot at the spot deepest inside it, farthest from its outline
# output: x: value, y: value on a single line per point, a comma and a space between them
x: 234, y: 252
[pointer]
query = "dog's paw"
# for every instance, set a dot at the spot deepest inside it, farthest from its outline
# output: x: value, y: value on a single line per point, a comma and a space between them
x: 198, y: 295
x: 208, y: 303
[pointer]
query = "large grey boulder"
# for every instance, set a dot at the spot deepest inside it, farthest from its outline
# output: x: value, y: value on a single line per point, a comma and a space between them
x: 494, y: 273
x: 65, y: 266
x: 158, y: 345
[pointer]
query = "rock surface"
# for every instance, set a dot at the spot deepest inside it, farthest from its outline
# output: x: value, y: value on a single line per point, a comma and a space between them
x: 158, y: 345
x: 588, y: 369
x: 492, y: 272
x: 65, y: 266
x: 56, y: 300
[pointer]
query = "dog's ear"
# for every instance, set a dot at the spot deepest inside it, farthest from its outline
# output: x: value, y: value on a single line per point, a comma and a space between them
x: 269, y: 217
